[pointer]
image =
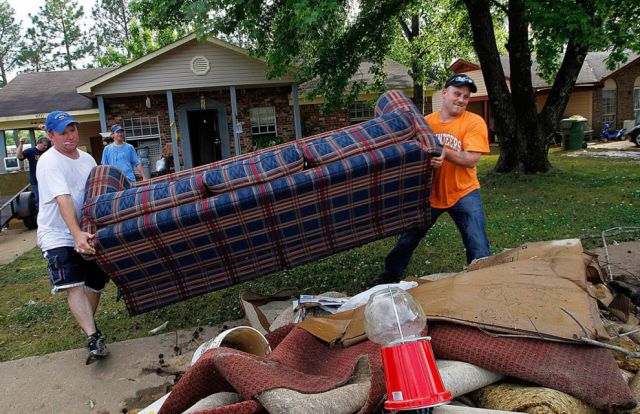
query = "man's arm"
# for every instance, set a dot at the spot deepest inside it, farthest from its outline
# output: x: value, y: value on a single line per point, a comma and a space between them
x: 140, y: 171
x: 19, y: 153
x: 68, y: 212
x: 466, y: 159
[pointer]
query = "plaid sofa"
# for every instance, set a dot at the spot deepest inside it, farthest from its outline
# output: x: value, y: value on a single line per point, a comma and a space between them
x: 188, y: 233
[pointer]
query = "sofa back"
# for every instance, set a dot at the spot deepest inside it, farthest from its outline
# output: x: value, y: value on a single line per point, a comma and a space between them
x: 110, y: 197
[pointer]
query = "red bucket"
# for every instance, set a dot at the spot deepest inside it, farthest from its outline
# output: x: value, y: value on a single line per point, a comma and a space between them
x: 412, y: 377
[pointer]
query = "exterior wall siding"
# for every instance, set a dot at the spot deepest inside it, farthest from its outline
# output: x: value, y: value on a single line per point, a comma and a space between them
x: 625, y: 80
x: 172, y: 70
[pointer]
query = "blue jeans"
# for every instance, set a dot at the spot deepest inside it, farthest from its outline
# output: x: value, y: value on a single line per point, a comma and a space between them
x: 468, y: 215
x: 34, y: 188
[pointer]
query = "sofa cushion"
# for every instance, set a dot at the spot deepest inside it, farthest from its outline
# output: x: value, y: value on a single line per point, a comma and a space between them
x: 258, y: 169
x: 390, y: 128
x: 117, y: 206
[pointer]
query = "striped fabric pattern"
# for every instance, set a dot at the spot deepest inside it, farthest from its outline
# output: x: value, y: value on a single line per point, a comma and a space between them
x: 179, y: 236
x: 389, y: 128
x: 393, y: 101
x: 113, y: 207
x: 178, y: 253
x: 258, y: 169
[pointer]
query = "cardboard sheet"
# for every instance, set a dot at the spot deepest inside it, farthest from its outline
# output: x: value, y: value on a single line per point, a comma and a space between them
x: 524, y: 296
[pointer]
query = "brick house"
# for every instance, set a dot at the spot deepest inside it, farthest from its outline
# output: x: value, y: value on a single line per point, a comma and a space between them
x: 600, y: 95
x: 200, y: 100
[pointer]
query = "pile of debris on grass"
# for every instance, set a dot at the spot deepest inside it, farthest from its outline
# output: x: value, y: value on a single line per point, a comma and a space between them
x: 538, y: 329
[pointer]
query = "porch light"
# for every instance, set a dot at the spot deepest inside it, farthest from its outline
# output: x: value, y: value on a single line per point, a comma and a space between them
x: 203, y: 102
x: 147, y: 102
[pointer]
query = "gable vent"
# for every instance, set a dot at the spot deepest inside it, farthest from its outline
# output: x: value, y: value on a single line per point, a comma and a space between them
x: 200, y: 65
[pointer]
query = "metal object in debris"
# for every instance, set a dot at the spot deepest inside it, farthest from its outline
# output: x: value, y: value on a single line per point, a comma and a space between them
x: 243, y: 338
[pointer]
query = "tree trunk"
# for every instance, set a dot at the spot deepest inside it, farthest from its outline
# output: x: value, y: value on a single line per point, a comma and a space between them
x: 554, y: 107
x: 500, y: 104
x: 3, y: 75
x: 127, y: 36
x: 412, y: 33
x: 533, y: 152
x: 66, y: 41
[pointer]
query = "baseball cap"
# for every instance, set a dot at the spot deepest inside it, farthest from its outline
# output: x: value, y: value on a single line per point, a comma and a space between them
x: 461, y: 80
x: 116, y: 128
x: 57, y: 121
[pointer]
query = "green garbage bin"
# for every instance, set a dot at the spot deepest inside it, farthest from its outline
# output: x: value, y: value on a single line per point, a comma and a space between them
x: 572, y: 130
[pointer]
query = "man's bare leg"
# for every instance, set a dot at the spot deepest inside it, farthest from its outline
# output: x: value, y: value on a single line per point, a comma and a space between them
x: 82, y: 309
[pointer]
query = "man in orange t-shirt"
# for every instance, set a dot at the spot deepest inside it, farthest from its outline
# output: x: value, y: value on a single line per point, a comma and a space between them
x: 455, y: 189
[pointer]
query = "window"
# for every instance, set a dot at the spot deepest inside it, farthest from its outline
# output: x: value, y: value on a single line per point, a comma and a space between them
x: 263, y: 120
x: 609, y: 107
x: 636, y: 104
x: 141, y: 127
x: 361, y: 111
x: 144, y: 131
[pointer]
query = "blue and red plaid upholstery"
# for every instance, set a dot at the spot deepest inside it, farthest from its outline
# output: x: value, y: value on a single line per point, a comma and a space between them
x: 387, y: 129
x: 113, y: 207
x: 397, y: 101
x: 270, y: 220
x: 260, y: 168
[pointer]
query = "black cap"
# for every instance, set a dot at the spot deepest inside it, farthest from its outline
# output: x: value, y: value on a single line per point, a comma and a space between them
x: 461, y: 80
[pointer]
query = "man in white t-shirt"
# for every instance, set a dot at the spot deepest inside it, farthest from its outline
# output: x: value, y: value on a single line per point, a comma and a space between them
x: 62, y: 173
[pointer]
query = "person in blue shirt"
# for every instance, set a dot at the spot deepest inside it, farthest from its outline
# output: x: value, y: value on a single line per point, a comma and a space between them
x: 33, y: 155
x: 122, y: 155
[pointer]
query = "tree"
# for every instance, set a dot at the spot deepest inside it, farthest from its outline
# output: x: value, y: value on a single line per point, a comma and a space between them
x: 59, y: 20
x: 111, y: 26
x: 142, y: 41
x: 328, y: 39
x: 9, y: 38
x: 34, y: 54
x: 560, y: 34
x: 430, y: 52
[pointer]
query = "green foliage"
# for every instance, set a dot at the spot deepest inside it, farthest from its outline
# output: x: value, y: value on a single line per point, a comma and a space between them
x: 598, y: 24
x: 9, y: 37
x: 35, y: 50
x: 111, y: 30
x: 57, y: 23
x: 581, y: 196
x: 444, y: 36
x: 142, y: 41
x: 265, y: 141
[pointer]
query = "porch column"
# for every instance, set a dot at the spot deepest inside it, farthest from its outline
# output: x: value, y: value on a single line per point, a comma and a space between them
x: 3, y: 149
x: 174, y: 133
x: 296, y: 111
x: 103, y: 114
x: 32, y: 137
x: 234, y: 120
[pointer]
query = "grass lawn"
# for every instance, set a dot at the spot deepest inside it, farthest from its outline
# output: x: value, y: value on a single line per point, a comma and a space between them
x: 581, y: 196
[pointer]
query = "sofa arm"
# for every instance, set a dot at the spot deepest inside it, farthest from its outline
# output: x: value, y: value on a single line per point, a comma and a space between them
x: 395, y: 100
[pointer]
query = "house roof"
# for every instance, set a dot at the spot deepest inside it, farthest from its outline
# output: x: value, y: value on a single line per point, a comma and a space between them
x: 88, y: 87
x: 42, y: 92
x: 397, y: 76
x: 593, y: 70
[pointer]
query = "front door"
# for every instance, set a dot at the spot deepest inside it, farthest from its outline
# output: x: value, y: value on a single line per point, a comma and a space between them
x: 204, y: 136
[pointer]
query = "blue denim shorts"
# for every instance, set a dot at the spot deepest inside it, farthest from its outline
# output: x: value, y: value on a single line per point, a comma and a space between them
x: 68, y: 269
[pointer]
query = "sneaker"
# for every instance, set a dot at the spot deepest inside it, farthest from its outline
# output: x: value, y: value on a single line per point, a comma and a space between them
x: 96, y: 347
x: 383, y: 278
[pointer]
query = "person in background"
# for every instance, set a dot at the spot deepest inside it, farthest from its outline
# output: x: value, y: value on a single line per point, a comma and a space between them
x: 122, y: 155
x: 106, y: 141
x: 62, y: 173
x: 33, y: 155
x: 455, y: 189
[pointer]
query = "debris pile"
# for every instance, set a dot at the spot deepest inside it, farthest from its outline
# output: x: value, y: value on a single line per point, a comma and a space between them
x: 538, y: 329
